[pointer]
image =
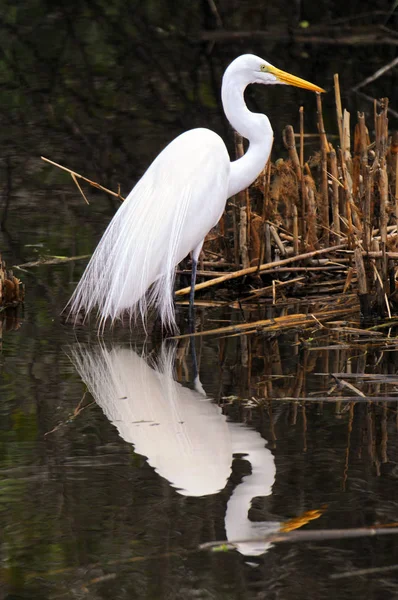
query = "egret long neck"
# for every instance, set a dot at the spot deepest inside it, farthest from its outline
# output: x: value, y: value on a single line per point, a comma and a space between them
x: 252, y: 126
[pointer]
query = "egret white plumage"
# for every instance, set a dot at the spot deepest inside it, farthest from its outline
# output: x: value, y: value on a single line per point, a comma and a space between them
x: 174, y: 205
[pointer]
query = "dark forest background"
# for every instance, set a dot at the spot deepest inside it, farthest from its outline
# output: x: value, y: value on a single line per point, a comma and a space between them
x: 102, y: 86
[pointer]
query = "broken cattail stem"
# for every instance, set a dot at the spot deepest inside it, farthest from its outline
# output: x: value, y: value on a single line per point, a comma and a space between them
x: 348, y: 198
x: 236, y: 234
x: 257, y: 236
x: 346, y: 138
x: 383, y: 192
x: 362, y: 284
x: 301, y: 137
x: 304, y: 194
x: 367, y: 176
x: 311, y: 211
x: 295, y: 230
x: 277, y: 240
x: 303, y: 220
x: 243, y: 244
x: 267, y: 243
x: 244, y: 210
x: 290, y: 144
x: 381, y: 127
x: 335, y: 190
x: 339, y: 110
x: 324, y: 213
x: 265, y: 214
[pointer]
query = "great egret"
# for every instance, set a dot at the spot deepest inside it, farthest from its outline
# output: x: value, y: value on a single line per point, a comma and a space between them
x: 174, y: 205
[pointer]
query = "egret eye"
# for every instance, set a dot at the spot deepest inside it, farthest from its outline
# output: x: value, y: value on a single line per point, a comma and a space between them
x: 264, y: 68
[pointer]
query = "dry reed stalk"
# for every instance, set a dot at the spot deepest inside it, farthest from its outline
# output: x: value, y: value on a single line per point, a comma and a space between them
x: 348, y: 203
x: 311, y: 212
x: 302, y: 137
x: 381, y: 130
x: 265, y: 242
x: 235, y: 229
x: 383, y: 194
x: 363, y: 179
x: 324, y: 212
x: 243, y: 232
x: 361, y: 143
x: 295, y: 230
x: 290, y: 144
x: 367, y: 178
x: 223, y: 247
x: 244, y: 211
x: 276, y: 284
x: 381, y: 127
x: 335, y: 192
x: 346, y: 146
x: 303, y: 220
x: 339, y: 110
x: 277, y: 240
x: 256, y: 230
x: 363, y: 295
x: 376, y: 254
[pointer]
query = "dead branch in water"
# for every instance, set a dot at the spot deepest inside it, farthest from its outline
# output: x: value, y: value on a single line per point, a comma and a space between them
x: 76, y: 176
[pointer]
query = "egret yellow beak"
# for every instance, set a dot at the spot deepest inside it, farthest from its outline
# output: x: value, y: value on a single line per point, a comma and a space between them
x: 292, y: 80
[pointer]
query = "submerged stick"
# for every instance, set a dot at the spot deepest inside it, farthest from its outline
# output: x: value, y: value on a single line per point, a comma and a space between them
x: 56, y: 260
x: 275, y: 324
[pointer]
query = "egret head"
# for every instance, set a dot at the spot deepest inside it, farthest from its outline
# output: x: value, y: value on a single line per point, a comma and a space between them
x: 253, y: 69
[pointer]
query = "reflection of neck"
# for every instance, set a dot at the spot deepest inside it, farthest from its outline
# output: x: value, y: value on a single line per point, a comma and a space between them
x: 252, y: 126
x: 258, y: 483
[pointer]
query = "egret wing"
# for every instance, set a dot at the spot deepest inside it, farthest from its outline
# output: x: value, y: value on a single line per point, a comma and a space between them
x: 167, y: 214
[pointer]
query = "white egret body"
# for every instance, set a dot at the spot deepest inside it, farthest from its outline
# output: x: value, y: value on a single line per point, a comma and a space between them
x: 175, y: 204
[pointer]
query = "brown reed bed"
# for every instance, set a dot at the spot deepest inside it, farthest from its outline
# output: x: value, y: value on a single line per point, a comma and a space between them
x: 331, y: 219
x: 348, y: 374
x: 325, y: 225
x: 12, y: 290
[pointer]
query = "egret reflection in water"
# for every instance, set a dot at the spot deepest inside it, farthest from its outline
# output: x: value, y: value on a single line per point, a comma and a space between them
x: 183, y: 434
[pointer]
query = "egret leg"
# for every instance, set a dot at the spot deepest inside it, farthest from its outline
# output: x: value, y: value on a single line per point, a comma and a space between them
x: 195, y: 257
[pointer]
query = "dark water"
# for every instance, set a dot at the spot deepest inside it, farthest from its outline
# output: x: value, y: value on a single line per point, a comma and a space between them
x: 84, y: 513
x: 111, y: 499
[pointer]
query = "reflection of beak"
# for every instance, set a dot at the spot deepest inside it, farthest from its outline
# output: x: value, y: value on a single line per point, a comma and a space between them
x: 292, y: 80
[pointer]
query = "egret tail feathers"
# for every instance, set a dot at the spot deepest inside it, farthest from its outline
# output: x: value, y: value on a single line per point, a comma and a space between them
x: 133, y: 266
x: 165, y: 216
